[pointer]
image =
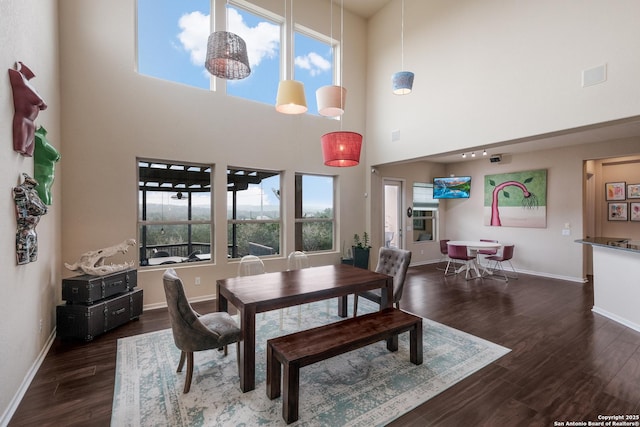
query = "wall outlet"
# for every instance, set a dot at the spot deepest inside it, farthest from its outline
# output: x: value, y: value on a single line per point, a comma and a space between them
x: 40, y: 326
x: 566, y: 232
x: 197, y: 281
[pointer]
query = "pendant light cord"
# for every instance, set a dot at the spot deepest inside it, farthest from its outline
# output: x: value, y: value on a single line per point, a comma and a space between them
x: 401, y: 38
x: 341, y: 59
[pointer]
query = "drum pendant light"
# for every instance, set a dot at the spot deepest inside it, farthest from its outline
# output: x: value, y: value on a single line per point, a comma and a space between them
x: 227, y: 56
x: 331, y: 98
x: 402, y: 81
x: 341, y: 149
x: 290, y: 98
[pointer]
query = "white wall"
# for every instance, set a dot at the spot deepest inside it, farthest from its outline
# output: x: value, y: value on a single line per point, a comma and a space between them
x: 541, y: 251
x: 497, y: 70
x: 28, y: 293
x: 111, y: 115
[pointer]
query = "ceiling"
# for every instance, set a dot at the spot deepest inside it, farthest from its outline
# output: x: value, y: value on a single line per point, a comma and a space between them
x: 619, y: 129
x: 364, y: 8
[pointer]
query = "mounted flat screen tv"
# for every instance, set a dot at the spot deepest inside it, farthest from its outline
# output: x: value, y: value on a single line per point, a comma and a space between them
x: 455, y: 187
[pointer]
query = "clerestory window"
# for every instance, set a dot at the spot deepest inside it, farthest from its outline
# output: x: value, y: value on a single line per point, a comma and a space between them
x: 172, y: 44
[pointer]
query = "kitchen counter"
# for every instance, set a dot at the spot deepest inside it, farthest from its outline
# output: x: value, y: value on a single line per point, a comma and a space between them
x: 616, y: 279
x: 613, y: 242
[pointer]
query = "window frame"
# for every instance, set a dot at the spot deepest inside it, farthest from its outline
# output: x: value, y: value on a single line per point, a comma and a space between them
x: 234, y: 222
x: 300, y: 221
x: 218, y: 21
x: 142, y: 205
x: 422, y: 206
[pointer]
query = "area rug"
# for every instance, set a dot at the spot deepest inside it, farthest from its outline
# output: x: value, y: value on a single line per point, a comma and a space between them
x: 365, y: 387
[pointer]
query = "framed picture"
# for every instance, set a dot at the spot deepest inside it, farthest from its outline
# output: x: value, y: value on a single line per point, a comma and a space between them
x: 615, y: 190
x: 633, y: 191
x: 635, y: 211
x: 617, y: 212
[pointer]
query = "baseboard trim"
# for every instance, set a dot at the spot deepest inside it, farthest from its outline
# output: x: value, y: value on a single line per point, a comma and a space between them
x: 191, y: 300
x: 532, y: 273
x: 26, y: 382
x: 616, y: 318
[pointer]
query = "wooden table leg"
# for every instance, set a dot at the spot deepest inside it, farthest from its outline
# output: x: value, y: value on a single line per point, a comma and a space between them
x: 415, y: 344
x: 342, y: 306
x: 387, y: 301
x: 247, y: 355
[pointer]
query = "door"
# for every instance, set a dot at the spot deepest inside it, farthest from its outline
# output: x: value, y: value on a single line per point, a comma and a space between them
x: 392, y: 205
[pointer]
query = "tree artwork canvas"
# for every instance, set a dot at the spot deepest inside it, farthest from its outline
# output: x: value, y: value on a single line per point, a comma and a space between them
x: 516, y: 199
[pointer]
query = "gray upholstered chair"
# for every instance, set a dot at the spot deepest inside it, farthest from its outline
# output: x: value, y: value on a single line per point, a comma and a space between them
x: 394, y: 262
x: 192, y: 331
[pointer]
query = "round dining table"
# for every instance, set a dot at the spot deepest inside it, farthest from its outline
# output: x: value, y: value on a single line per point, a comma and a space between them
x: 473, y: 246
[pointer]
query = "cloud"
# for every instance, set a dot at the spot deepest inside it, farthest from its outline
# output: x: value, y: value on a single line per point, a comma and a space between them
x: 263, y: 40
x: 193, y: 35
x: 313, y: 62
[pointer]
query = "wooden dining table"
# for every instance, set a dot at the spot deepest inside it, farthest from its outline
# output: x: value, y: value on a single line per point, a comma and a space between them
x: 272, y: 291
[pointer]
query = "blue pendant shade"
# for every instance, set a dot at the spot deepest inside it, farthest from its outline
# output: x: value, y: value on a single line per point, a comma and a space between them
x: 402, y: 82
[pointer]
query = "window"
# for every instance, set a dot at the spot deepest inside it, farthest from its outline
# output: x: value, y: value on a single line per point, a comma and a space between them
x: 172, y: 40
x: 262, y: 36
x: 425, y: 213
x: 253, y: 212
x: 313, y: 66
x: 174, y: 212
x: 314, y: 209
x: 172, y: 45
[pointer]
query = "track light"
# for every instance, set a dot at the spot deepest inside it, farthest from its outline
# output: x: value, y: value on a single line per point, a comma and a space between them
x: 484, y: 152
x: 464, y: 155
x: 473, y: 154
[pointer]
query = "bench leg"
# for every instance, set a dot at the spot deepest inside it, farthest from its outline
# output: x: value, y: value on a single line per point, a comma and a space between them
x: 291, y: 381
x: 392, y: 343
x: 415, y: 344
x: 273, y: 374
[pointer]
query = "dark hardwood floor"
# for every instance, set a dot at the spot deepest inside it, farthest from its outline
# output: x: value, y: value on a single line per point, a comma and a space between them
x: 566, y: 363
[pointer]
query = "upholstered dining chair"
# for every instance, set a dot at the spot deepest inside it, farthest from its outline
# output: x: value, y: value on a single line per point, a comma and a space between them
x: 192, y: 331
x: 394, y: 262
x: 459, y: 253
x: 505, y: 256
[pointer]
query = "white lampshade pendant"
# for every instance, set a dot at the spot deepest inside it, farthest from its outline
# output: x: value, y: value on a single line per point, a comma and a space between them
x: 291, y: 98
x: 331, y: 100
x: 402, y: 82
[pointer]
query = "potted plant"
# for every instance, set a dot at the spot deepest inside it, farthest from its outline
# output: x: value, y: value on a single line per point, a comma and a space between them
x: 361, y: 250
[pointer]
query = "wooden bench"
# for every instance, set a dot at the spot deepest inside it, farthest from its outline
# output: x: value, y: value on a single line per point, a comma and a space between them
x: 313, y: 345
